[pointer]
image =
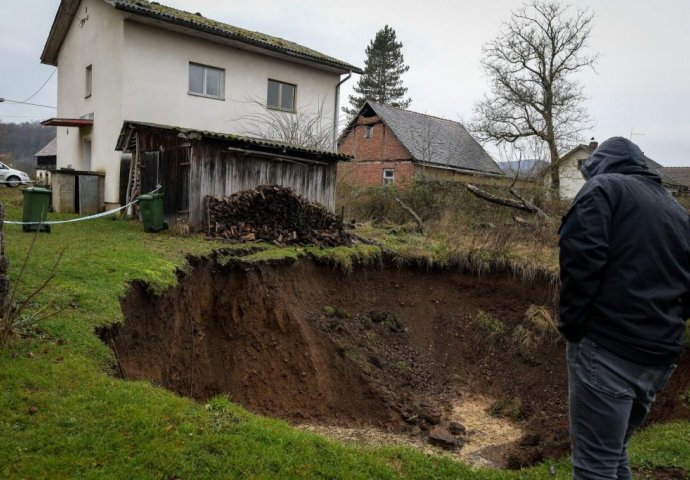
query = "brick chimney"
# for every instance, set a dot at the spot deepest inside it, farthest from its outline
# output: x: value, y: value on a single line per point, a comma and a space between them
x: 593, y: 144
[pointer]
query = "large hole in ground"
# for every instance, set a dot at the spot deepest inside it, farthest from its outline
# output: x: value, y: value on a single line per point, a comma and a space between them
x: 379, y: 354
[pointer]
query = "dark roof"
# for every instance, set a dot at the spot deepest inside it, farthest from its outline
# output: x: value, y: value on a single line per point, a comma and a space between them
x: 433, y: 140
x: 651, y: 164
x: 238, y: 141
x: 191, y: 22
x: 676, y: 175
x: 527, y: 169
x: 583, y: 147
x: 50, y: 150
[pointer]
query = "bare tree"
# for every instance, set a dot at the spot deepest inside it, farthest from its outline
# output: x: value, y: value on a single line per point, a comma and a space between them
x: 304, y: 127
x: 531, y: 64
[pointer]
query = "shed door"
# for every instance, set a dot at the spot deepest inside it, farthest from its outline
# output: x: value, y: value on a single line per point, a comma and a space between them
x: 88, y: 194
x: 170, y: 170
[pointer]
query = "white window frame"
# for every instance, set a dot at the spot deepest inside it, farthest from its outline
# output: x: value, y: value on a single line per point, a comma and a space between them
x: 368, y: 131
x: 390, y: 178
x: 280, y: 96
x: 204, y: 86
x: 88, y: 81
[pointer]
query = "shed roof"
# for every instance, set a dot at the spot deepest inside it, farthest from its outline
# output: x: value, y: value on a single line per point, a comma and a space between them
x: 238, y: 141
x: 191, y: 23
x: 433, y: 140
x: 50, y: 150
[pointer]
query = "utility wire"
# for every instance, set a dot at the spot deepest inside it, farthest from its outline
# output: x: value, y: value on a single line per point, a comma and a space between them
x: 24, y: 103
x: 40, y: 88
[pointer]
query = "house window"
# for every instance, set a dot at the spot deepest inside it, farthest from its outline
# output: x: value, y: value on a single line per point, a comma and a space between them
x: 281, y: 95
x: 206, y: 81
x: 368, y: 131
x: 388, y: 176
x: 89, y: 81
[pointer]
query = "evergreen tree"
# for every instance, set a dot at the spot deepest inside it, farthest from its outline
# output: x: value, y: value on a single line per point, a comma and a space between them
x: 381, y: 81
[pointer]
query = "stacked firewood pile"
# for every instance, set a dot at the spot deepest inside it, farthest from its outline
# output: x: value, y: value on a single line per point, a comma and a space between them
x: 273, y: 214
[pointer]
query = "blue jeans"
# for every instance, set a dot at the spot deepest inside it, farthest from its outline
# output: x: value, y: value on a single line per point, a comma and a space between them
x: 609, y: 399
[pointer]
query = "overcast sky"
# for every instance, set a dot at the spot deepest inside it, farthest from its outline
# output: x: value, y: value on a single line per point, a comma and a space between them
x: 641, y: 85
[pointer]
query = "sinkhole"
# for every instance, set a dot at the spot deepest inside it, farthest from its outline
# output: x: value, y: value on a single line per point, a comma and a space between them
x: 434, y: 358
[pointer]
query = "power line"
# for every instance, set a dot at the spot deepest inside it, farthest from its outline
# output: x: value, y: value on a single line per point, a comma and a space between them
x: 41, y: 87
x: 24, y: 103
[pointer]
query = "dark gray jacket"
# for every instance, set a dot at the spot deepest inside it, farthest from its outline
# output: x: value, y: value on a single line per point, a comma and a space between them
x: 625, y: 259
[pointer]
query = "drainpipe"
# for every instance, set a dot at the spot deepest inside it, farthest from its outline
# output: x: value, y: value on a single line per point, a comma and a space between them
x: 335, y: 111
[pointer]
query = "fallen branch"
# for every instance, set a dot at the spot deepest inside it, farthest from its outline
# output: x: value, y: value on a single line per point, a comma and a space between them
x: 420, y: 224
x: 507, y: 202
x: 530, y: 205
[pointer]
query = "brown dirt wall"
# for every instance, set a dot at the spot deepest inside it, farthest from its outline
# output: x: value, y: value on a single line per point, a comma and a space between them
x: 385, y: 347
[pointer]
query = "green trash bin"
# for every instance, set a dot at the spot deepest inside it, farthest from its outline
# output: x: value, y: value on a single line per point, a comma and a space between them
x: 151, y: 206
x: 36, y: 205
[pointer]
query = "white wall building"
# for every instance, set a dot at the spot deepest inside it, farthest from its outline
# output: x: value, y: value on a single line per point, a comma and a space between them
x: 136, y: 60
x: 570, y: 174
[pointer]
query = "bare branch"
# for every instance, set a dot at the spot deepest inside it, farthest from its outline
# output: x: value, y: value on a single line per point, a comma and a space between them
x: 532, y: 92
x: 420, y: 224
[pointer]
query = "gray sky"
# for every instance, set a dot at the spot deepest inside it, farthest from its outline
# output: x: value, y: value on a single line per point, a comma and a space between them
x: 642, y: 83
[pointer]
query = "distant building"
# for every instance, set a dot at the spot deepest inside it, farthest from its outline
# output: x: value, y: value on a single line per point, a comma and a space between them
x: 46, y: 158
x: 394, y: 146
x: 676, y: 179
x: 572, y: 179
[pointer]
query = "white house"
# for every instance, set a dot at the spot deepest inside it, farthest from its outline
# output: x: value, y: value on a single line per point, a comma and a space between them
x: 572, y: 179
x: 569, y: 169
x: 134, y: 60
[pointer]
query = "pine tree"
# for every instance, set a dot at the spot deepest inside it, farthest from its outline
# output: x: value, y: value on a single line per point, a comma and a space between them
x: 381, y: 81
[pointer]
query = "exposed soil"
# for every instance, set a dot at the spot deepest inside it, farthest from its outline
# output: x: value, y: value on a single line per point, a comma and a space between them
x: 400, y: 351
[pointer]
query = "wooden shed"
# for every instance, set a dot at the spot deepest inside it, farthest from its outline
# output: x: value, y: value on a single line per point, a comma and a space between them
x: 190, y: 164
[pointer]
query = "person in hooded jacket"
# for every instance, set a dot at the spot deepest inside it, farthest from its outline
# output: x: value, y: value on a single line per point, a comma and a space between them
x: 625, y: 297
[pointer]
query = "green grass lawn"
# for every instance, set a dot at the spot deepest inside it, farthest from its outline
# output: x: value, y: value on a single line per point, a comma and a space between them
x: 63, y: 415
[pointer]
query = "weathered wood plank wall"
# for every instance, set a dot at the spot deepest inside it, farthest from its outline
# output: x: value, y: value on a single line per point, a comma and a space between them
x: 189, y: 173
x: 219, y: 172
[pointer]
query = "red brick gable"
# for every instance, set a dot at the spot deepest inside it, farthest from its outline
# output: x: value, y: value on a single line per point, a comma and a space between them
x: 372, y: 155
x: 382, y: 146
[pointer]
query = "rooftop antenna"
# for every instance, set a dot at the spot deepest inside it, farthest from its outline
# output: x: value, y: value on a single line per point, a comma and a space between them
x: 632, y: 132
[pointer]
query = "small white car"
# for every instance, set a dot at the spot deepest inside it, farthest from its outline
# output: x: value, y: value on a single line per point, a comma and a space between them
x: 11, y: 177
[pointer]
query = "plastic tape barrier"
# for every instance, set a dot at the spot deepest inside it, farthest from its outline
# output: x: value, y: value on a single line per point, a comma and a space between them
x: 80, y: 219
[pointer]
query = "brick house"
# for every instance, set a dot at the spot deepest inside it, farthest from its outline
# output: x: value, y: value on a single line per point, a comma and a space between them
x: 394, y: 146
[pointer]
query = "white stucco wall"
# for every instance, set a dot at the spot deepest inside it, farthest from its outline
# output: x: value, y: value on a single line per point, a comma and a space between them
x: 141, y: 73
x: 571, y: 177
x: 98, y: 42
x: 157, y: 82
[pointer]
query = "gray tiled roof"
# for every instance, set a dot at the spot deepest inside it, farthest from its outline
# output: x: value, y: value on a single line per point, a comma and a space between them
x: 676, y: 175
x: 191, y: 22
x: 197, y: 21
x: 435, y: 140
x: 50, y: 150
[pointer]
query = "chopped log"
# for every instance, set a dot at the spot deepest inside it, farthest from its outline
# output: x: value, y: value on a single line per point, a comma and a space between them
x: 274, y: 214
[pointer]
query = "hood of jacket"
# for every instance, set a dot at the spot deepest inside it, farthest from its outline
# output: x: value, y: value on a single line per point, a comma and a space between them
x: 617, y: 155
